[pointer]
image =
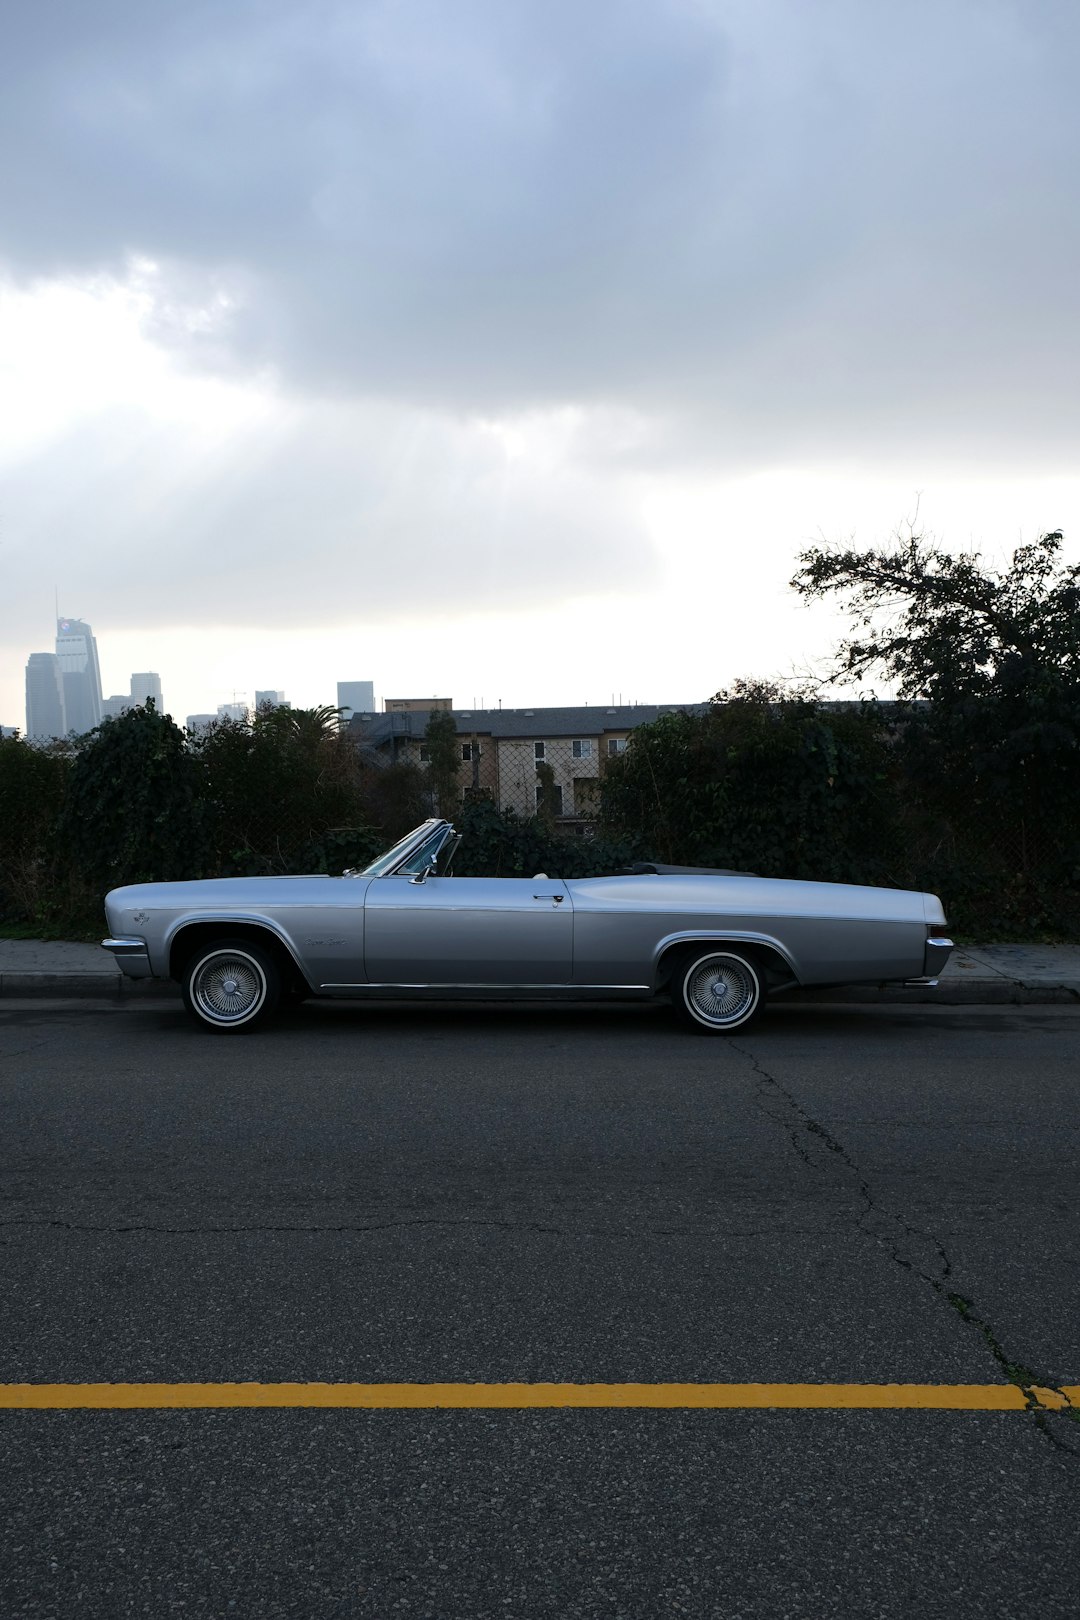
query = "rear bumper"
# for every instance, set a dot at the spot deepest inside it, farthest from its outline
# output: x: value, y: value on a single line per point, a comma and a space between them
x: 131, y: 955
x: 937, y: 953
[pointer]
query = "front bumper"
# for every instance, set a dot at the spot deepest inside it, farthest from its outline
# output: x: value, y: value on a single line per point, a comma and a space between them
x: 132, y: 956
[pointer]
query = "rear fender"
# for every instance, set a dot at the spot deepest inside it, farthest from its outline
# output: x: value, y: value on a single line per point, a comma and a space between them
x: 776, y: 955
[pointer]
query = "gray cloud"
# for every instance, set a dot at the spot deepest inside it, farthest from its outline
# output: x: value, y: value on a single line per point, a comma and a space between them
x: 319, y: 517
x: 787, y: 229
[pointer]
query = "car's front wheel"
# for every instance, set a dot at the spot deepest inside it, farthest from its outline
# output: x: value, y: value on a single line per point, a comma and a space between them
x: 231, y: 984
x: 715, y: 992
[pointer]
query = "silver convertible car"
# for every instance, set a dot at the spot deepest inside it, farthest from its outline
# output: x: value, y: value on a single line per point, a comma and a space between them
x: 717, y: 942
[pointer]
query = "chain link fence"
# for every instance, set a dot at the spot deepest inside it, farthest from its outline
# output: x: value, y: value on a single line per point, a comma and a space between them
x: 555, y: 779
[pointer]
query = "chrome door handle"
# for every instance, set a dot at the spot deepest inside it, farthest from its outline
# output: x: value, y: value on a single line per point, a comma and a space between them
x: 558, y: 898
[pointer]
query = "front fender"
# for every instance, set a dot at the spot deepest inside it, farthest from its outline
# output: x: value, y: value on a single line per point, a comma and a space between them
x: 225, y: 920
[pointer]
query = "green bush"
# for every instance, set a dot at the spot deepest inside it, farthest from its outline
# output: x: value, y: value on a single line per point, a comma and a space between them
x: 500, y: 843
x: 32, y: 786
x: 761, y: 782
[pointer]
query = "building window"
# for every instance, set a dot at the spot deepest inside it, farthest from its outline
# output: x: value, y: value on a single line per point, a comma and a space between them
x: 616, y: 745
x: 556, y: 797
x: 581, y: 748
x: 539, y: 750
x: 469, y: 752
x: 425, y: 754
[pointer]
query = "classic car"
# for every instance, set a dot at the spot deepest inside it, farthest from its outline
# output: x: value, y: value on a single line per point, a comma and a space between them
x: 718, y: 943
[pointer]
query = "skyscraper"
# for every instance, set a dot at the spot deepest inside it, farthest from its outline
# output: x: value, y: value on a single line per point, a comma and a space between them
x: 45, y: 715
x: 272, y: 700
x: 76, y: 650
x: 356, y: 697
x: 146, y: 686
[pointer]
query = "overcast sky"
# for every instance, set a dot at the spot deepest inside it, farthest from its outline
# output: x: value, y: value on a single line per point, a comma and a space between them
x: 513, y: 350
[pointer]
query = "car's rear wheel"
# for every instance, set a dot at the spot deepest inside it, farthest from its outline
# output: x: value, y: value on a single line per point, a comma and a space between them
x: 231, y: 984
x: 715, y: 992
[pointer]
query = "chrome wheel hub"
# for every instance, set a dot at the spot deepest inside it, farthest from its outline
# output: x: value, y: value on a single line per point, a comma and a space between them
x: 721, y: 997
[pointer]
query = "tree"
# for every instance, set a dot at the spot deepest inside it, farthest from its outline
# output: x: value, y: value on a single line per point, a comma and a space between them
x: 946, y: 628
x: 547, y: 798
x: 993, y: 755
x: 444, y: 760
x: 278, y: 784
x: 134, y: 807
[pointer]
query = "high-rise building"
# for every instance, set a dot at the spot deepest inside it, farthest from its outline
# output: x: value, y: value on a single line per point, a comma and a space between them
x: 271, y: 700
x: 356, y: 697
x: 45, y: 716
x: 76, y: 650
x: 232, y: 711
x: 113, y: 707
x: 146, y: 686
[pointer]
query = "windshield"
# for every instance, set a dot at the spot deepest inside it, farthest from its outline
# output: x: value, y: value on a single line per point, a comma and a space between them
x: 427, y: 855
x: 386, y: 863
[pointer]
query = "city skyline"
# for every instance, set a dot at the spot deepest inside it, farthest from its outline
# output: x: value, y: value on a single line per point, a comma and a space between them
x: 44, y: 676
x: 563, y: 336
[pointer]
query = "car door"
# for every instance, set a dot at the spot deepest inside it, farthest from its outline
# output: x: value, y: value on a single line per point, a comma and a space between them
x: 468, y: 931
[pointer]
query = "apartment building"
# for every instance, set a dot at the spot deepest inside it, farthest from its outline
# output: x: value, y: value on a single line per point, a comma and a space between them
x: 521, y: 759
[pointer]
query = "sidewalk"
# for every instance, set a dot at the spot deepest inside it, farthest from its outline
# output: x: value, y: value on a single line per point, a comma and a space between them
x: 977, y: 975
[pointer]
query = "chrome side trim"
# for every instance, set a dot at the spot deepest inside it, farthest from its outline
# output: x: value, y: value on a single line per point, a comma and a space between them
x: 124, y: 946
x: 474, y: 984
x: 498, y: 992
x: 940, y: 942
x: 920, y: 984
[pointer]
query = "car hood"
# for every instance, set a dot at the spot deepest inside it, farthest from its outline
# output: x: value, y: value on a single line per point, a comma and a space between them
x: 235, y: 893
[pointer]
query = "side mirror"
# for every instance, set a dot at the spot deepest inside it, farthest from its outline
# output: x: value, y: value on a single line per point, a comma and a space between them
x: 428, y: 871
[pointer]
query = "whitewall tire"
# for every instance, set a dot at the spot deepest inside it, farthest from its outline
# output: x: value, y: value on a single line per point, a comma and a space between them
x: 231, y: 984
x: 717, y: 991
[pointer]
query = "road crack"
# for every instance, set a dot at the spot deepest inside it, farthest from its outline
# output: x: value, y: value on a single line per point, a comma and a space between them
x: 909, y: 1246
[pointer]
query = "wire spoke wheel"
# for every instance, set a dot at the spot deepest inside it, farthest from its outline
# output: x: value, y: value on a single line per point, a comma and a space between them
x: 719, y: 992
x: 231, y: 985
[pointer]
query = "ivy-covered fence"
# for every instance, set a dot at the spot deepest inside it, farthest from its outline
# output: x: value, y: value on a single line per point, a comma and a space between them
x: 784, y: 787
x: 779, y: 785
x: 898, y: 794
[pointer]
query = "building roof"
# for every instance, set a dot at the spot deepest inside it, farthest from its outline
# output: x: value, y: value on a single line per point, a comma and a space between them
x: 590, y: 720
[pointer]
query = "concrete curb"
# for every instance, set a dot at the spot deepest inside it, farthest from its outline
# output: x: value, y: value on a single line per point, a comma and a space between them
x: 996, y: 992
x: 83, y: 986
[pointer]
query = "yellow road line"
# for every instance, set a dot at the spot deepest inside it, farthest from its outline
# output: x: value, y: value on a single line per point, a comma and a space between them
x: 402, y: 1397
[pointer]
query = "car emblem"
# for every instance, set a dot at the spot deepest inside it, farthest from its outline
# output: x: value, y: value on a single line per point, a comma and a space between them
x: 140, y: 916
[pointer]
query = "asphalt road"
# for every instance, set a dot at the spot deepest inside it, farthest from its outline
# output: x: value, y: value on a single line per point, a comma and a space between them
x: 867, y: 1195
